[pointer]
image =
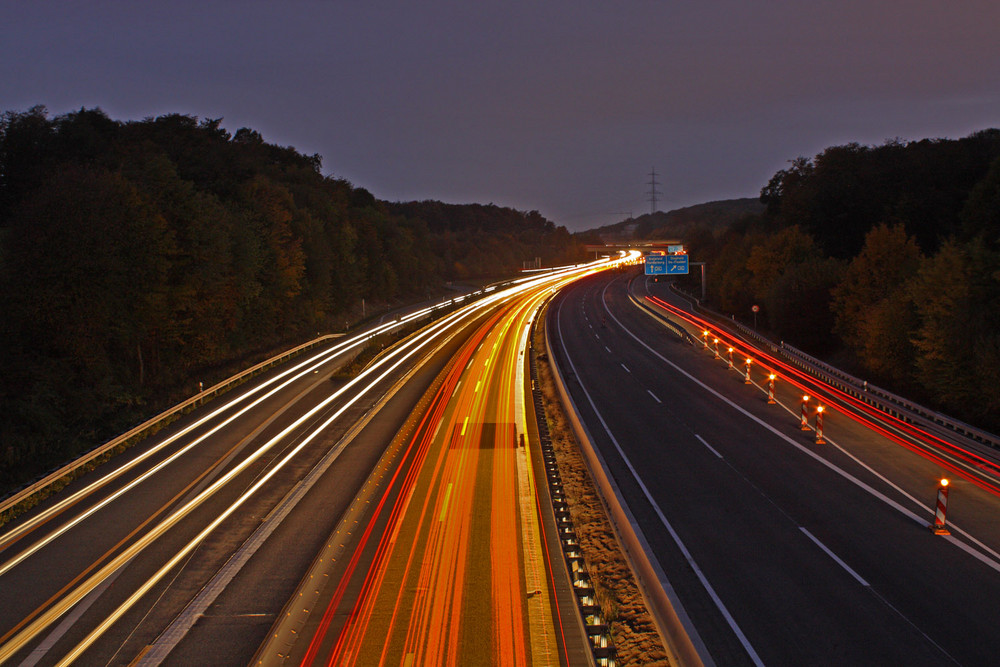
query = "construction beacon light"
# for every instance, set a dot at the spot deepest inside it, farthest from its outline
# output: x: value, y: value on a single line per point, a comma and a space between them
x: 730, y: 358
x: 819, y: 426
x: 749, y: 361
x: 805, y: 413
x: 770, y: 389
x: 704, y: 337
x: 717, y: 349
x: 940, y: 527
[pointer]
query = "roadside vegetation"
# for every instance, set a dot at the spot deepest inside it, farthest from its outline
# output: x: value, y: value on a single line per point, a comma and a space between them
x: 139, y: 257
x: 884, y: 260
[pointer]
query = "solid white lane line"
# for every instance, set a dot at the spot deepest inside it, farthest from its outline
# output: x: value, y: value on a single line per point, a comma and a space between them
x: 710, y: 447
x: 654, y: 396
x: 835, y: 557
x: 983, y: 557
x: 760, y: 422
x: 988, y: 556
x: 40, y: 651
x: 733, y: 625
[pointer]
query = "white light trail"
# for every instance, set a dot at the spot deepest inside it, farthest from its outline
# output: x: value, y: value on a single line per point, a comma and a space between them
x: 397, y: 356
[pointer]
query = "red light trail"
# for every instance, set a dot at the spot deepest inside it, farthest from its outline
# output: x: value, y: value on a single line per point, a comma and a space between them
x: 859, y: 411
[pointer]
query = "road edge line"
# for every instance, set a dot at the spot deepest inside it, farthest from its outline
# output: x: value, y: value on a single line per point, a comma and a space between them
x: 679, y: 635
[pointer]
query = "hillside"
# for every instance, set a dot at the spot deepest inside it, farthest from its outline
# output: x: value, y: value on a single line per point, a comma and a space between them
x: 711, y: 216
x: 884, y: 259
x: 137, y: 255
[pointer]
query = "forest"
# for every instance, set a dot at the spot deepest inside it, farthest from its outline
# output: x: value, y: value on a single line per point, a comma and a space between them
x: 138, y: 257
x: 884, y: 260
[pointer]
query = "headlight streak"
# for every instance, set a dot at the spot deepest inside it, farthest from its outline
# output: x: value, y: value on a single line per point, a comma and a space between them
x: 180, y: 555
x: 313, y: 363
x: 75, y: 596
x: 400, y: 354
x: 501, y: 371
x: 316, y: 362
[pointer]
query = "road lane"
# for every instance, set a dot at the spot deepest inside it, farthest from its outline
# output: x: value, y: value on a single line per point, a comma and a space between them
x: 447, y: 566
x: 752, y: 511
x: 450, y: 565
x: 190, y: 461
x: 100, y: 576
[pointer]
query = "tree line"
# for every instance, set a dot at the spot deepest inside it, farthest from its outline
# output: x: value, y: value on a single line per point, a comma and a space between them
x: 883, y: 259
x: 135, y: 256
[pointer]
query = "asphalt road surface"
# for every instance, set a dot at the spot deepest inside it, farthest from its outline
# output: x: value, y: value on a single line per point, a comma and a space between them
x: 777, y: 550
x: 185, y: 549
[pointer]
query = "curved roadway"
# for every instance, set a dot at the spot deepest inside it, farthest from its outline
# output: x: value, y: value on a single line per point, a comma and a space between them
x: 184, y: 549
x: 776, y: 550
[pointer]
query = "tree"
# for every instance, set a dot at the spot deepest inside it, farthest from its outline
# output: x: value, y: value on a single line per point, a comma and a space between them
x: 958, y: 339
x: 873, y: 310
x: 774, y: 254
x: 84, y: 286
x: 981, y: 214
x: 798, y: 304
x: 27, y: 150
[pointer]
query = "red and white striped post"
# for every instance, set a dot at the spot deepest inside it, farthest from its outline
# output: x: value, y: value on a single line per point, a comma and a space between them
x: 730, y: 358
x: 805, y: 413
x: 819, y: 425
x: 704, y: 338
x: 940, y: 526
x: 717, y: 349
x: 749, y: 361
x: 770, y: 389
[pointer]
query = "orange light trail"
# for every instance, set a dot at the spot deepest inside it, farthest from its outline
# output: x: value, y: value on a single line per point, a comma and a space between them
x: 432, y: 555
x: 458, y: 531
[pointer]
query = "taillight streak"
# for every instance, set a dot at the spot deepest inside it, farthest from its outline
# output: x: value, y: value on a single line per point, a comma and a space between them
x: 841, y: 400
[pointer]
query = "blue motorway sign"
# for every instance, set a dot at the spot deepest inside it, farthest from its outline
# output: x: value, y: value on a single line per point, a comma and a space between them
x: 677, y: 264
x: 656, y: 265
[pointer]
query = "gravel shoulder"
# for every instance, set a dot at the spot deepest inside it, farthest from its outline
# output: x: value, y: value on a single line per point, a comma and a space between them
x: 636, y: 639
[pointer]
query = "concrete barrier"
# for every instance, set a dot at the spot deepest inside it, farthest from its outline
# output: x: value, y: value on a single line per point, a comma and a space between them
x: 649, y: 577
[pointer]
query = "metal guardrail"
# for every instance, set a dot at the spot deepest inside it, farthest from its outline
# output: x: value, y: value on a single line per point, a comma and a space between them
x: 151, y: 425
x: 895, y: 404
x: 882, y: 399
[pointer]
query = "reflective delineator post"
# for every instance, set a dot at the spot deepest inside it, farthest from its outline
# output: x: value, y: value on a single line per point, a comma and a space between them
x: 805, y: 413
x: 770, y: 389
x: 717, y: 349
x: 749, y: 361
x: 730, y: 358
x: 704, y: 338
x: 819, y: 425
x: 940, y: 527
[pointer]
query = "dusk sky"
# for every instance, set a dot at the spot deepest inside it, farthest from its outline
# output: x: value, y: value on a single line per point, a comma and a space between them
x: 558, y: 106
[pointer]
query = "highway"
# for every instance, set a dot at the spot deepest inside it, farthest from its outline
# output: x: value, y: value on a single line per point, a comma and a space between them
x: 776, y: 549
x: 185, y: 549
x: 100, y: 569
x: 450, y: 568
